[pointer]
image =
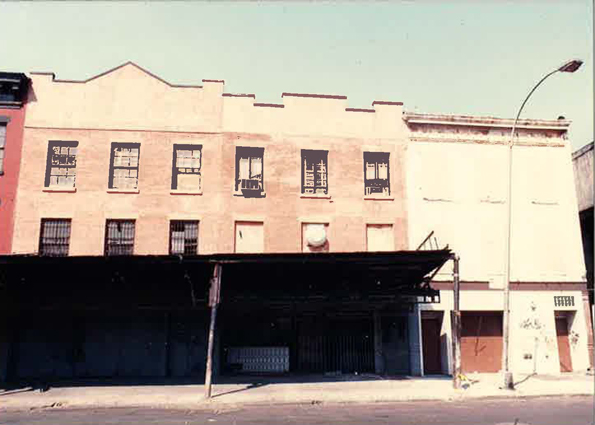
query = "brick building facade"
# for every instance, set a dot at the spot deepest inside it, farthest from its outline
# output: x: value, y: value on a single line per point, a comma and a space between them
x: 126, y: 163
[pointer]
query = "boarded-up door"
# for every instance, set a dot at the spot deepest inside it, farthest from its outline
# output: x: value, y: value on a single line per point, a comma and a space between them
x: 249, y: 237
x: 431, y: 345
x: 380, y: 237
x: 563, y: 345
x: 481, y: 341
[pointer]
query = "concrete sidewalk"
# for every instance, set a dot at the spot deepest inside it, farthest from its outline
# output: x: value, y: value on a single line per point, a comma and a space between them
x: 255, y: 390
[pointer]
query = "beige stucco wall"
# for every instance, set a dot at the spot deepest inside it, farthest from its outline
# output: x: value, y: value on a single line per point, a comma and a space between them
x: 539, y: 341
x: 129, y: 105
x: 458, y: 188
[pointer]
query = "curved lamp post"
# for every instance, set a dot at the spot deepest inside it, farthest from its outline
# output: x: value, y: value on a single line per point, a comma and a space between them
x: 569, y: 66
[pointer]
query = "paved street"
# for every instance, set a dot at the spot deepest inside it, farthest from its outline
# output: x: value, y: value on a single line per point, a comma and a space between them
x: 536, y: 411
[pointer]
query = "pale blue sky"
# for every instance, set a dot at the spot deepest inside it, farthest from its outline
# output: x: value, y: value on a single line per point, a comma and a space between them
x: 461, y: 57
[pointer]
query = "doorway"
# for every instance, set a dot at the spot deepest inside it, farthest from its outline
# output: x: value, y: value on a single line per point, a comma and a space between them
x: 563, y: 343
x: 431, y: 323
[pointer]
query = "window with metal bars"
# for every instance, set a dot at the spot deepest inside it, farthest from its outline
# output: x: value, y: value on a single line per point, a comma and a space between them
x: 186, y: 168
x: 563, y: 301
x: 183, y: 237
x: 314, y: 172
x: 249, y: 171
x: 376, y: 174
x: 60, y: 167
x: 124, y: 162
x: 54, y: 237
x: 2, y: 146
x: 119, y: 237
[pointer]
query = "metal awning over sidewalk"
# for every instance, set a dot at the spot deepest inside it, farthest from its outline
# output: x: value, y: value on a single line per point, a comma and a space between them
x: 282, y: 275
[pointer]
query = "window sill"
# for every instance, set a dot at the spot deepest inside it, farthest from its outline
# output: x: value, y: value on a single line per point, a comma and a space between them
x: 59, y: 189
x: 242, y: 195
x: 134, y: 191
x: 379, y: 198
x: 185, y: 192
x: 314, y: 196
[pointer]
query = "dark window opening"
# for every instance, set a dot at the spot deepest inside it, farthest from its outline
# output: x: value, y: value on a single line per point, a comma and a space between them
x: 54, y: 237
x: 314, y: 172
x: 183, y: 237
x: 60, y: 167
x: 124, y: 161
x: 119, y: 237
x: 376, y: 174
x: 186, y: 167
x: 2, y: 146
x: 249, y: 171
x: 13, y: 88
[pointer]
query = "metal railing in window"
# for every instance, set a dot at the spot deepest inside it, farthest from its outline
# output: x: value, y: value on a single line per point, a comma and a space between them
x: 249, y: 170
x: 124, y: 164
x: 119, y: 237
x: 186, y: 167
x: 60, y: 168
x: 54, y: 237
x: 376, y: 173
x: 563, y: 301
x: 183, y: 237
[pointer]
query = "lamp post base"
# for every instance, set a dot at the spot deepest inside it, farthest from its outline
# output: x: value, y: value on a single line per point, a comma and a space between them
x: 508, y: 381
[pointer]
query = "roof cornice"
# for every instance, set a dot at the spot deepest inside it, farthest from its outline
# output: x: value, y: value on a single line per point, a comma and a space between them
x: 477, y: 121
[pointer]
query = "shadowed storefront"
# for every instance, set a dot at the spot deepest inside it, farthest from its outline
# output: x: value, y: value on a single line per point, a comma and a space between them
x: 149, y: 316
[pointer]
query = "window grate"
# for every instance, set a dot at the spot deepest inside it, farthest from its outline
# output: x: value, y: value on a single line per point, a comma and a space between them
x: 183, y: 237
x: 119, y: 237
x: 54, y: 237
x: 563, y: 301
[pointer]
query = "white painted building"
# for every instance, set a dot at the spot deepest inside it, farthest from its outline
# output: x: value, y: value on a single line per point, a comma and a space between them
x: 457, y: 187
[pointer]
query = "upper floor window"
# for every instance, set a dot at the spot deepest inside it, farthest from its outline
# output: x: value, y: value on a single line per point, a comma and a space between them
x: 119, y: 237
x: 376, y: 174
x: 183, y: 237
x: 60, y: 167
x: 186, y: 168
x: 2, y: 145
x: 314, y: 172
x: 123, y: 171
x: 54, y: 237
x: 249, y: 171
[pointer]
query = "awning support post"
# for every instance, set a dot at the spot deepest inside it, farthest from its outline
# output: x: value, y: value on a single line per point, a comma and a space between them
x: 456, y: 326
x: 214, y: 299
x: 378, y: 352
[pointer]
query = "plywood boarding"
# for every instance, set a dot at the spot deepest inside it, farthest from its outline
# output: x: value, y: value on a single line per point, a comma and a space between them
x: 249, y: 237
x: 481, y: 341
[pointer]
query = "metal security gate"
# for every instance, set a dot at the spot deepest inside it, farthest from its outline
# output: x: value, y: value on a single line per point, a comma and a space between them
x: 335, y: 345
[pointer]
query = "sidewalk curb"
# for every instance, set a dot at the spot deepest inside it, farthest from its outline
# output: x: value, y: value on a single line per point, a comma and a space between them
x: 203, y: 404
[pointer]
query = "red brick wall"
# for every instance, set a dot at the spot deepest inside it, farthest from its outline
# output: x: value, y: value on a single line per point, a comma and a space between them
x: 8, y: 181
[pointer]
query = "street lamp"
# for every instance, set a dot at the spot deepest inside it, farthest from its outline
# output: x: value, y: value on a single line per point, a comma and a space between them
x: 569, y: 66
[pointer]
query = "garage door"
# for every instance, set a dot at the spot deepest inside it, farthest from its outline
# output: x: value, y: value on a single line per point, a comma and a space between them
x: 481, y: 341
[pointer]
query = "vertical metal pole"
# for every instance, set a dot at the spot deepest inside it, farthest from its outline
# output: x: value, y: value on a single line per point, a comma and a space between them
x: 507, y: 375
x: 456, y: 326
x: 214, y: 297
x: 508, y: 381
x: 378, y: 352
